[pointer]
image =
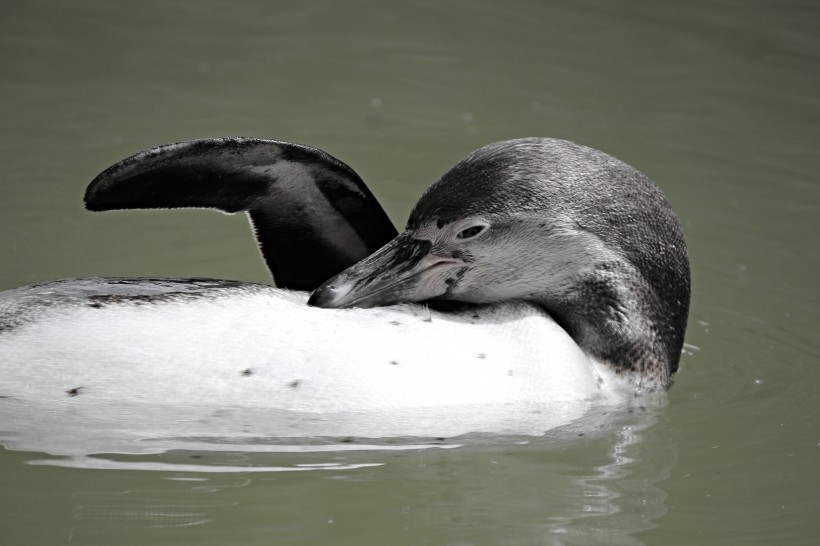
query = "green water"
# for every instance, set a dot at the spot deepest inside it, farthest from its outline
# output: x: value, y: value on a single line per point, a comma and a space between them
x: 719, y: 102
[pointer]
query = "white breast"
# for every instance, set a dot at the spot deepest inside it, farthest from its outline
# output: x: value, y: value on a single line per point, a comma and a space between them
x: 193, y: 366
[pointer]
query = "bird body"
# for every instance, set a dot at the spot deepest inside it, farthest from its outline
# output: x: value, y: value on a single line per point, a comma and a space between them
x: 568, y: 267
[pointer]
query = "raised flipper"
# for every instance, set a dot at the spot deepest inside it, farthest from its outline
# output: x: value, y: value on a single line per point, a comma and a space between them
x: 312, y: 214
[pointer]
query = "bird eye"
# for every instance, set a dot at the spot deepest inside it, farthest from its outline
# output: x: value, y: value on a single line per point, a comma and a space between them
x: 470, y: 232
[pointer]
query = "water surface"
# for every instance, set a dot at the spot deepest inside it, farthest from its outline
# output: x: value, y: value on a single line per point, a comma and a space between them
x: 719, y: 102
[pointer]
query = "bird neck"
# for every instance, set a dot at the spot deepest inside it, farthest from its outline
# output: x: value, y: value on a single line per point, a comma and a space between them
x: 615, y: 317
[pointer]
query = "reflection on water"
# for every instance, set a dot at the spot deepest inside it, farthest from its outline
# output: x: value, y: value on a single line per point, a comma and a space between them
x: 138, y: 428
x: 620, y: 497
x: 108, y: 464
x: 600, y: 487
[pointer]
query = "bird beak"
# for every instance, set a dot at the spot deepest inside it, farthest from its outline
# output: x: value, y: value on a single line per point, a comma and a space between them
x: 404, y: 270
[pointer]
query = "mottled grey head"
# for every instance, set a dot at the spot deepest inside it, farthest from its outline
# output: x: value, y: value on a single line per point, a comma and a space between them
x: 582, y: 234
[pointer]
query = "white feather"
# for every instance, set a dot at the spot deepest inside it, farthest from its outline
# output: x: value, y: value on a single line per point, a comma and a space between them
x: 169, y: 369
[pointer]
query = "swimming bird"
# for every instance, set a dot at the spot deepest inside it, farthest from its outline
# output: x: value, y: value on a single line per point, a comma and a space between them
x: 536, y: 276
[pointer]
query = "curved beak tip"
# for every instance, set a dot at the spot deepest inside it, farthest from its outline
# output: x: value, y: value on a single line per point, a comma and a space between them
x: 324, y: 296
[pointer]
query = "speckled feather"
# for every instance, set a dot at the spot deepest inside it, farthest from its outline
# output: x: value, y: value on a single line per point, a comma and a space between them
x: 579, y: 257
